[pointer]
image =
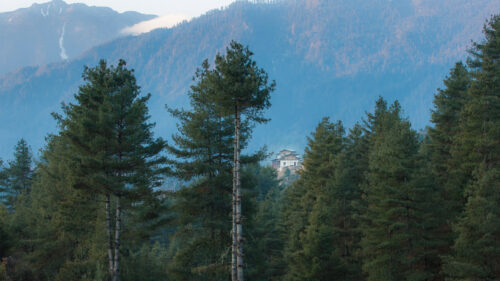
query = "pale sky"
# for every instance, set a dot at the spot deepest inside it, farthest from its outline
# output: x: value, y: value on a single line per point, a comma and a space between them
x: 190, y: 8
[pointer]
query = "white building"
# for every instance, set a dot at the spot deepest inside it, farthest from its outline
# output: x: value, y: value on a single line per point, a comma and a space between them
x: 287, y: 159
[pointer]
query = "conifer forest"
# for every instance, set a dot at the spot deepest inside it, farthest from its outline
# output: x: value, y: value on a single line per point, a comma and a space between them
x: 108, y: 200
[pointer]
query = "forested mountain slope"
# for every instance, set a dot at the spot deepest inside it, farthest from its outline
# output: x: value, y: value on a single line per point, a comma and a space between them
x: 55, y: 31
x: 329, y: 58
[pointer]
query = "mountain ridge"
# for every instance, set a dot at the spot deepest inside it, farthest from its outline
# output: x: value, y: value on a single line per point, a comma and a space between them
x: 55, y: 31
x: 329, y: 58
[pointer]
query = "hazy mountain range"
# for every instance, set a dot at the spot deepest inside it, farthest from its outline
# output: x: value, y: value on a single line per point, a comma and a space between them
x: 56, y: 31
x: 329, y: 58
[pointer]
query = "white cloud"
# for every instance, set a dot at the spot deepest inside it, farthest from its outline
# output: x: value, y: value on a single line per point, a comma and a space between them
x: 165, y: 21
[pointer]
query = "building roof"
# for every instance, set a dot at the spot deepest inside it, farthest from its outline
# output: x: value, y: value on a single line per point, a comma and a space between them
x: 287, y: 151
x: 290, y: 157
x: 287, y: 154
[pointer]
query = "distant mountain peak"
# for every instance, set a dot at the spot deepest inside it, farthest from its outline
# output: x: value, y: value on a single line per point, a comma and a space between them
x: 53, y: 3
x: 53, y: 31
x: 52, y: 7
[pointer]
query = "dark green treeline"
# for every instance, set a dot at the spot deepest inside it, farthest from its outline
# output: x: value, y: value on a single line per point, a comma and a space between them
x: 376, y: 202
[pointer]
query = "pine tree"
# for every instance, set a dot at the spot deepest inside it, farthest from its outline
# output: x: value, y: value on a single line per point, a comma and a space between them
x: 241, y: 90
x: 4, y: 237
x: 15, y: 188
x: 320, y: 241
x: 394, y: 247
x: 204, y: 153
x: 264, y: 249
x: 387, y: 188
x: 3, y: 183
x: 313, y: 213
x: 295, y: 220
x: 433, y: 216
x: 111, y: 144
x: 349, y: 182
x: 56, y: 231
x: 18, y: 175
x: 480, y: 118
x: 61, y: 224
x: 446, y: 159
x: 204, y: 157
x: 476, y: 251
x: 448, y: 104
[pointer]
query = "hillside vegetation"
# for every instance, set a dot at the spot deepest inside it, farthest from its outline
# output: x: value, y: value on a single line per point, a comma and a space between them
x: 329, y: 58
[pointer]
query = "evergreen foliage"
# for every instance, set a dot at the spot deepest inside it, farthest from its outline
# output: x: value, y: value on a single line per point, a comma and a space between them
x: 448, y: 103
x: 240, y: 89
x: 480, y: 128
x: 149, y: 263
x: 203, y: 153
x: 109, y: 135
x: 111, y: 146
x: 203, y: 158
x: 476, y: 249
x: 350, y: 178
x: 66, y: 223
x: 240, y: 86
x: 3, y: 184
x: 4, y: 238
x: 394, y: 247
x: 16, y: 178
x: 318, y: 214
x: 264, y: 250
x: 444, y: 152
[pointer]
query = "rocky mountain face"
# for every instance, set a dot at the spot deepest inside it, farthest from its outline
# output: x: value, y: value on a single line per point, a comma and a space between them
x: 329, y: 58
x: 56, y: 31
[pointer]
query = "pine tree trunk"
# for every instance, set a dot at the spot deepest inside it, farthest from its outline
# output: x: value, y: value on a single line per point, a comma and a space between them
x: 239, y: 232
x: 117, y: 239
x: 108, y: 233
x: 234, y: 249
x: 234, y: 259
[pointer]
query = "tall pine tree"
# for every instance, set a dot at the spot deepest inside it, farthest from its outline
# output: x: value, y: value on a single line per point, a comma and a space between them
x: 318, y: 212
x: 112, y: 146
x: 349, y: 182
x: 476, y: 251
x: 203, y: 158
x: 62, y: 224
x: 241, y: 89
x: 394, y: 247
x: 444, y: 161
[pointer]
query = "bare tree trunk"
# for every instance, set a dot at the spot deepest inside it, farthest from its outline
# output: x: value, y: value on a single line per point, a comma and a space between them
x: 118, y: 219
x: 234, y: 259
x: 108, y: 233
x: 234, y: 249
x: 239, y: 232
